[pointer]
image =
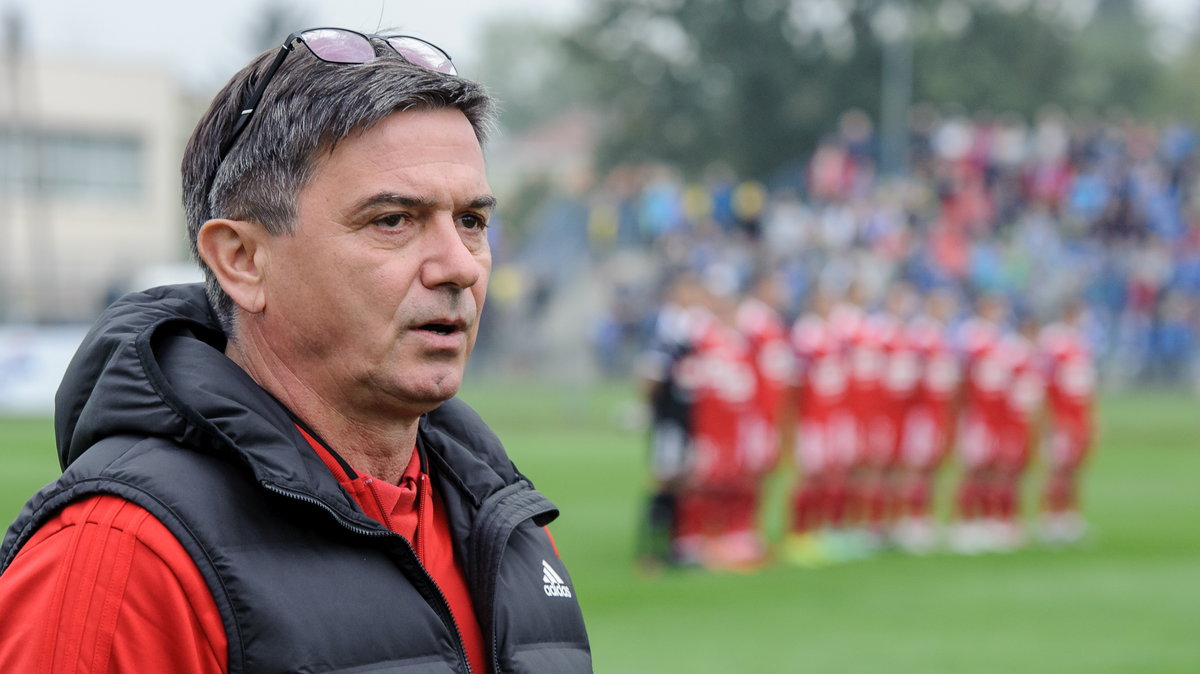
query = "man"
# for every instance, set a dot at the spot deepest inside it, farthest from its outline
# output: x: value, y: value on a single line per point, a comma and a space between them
x: 822, y: 451
x: 760, y: 321
x: 663, y: 370
x: 851, y: 326
x: 929, y: 426
x: 899, y: 375
x: 714, y: 527
x: 987, y: 376
x: 1071, y: 388
x: 1019, y: 430
x: 278, y: 479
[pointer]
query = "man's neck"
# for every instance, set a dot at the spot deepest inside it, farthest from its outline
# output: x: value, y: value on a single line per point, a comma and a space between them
x: 383, y: 456
x: 381, y: 450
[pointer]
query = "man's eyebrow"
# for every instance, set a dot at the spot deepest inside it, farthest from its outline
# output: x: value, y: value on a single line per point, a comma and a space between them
x: 482, y: 202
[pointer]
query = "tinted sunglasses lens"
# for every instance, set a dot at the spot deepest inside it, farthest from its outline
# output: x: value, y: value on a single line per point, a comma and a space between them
x: 338, y: 46
x: 421, y: 53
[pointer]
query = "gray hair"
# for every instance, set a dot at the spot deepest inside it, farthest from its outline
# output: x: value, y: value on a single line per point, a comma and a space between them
x: 308, y: 107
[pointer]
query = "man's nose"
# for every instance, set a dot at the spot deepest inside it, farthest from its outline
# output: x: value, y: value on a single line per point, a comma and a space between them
x: 449, y: 261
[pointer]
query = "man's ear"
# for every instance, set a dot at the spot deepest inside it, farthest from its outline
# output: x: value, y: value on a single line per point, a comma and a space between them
x: 235, y: 252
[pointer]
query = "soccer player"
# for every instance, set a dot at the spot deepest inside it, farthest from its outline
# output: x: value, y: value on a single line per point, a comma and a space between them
x: 1071, y: 385
x: 720, y: 373
x: 823, y: 448
x: 663, y: 371
x: 1020, y: 427
x: 929, y: 428
x: 759, y: 321
x: 987, y: 376
x: 864, y: 360
x: 898, y: 389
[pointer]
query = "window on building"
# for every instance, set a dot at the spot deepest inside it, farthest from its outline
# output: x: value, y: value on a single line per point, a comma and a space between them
x: 72, y: 165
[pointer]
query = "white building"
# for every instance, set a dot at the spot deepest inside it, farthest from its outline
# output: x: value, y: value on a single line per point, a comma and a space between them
x: 89, y: 183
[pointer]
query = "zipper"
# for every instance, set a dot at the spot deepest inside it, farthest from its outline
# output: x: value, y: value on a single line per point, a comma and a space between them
x: 418, y: 538
x: 443, y: 608
x: 462, y: 649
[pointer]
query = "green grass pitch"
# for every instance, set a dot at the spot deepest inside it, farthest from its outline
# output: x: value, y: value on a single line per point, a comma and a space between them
x: 1128, y: 600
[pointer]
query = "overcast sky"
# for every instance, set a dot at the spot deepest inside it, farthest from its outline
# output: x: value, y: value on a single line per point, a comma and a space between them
x: 205, y: 41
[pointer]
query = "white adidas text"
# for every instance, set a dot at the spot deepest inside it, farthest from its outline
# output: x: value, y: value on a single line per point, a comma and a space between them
x: 555, y: 586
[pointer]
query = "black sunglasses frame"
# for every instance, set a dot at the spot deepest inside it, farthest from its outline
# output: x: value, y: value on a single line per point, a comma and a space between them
x: 251, y: 105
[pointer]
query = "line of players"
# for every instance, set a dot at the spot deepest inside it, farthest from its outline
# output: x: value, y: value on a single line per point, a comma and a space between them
x: 870, y: 405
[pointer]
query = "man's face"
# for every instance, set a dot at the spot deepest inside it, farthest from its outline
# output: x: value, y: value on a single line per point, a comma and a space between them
x: 993, y: 308
x: 941, y: 305
x: 374, y: 302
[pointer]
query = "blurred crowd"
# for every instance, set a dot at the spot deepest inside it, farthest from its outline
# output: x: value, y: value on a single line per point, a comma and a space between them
x: 1039, y: 211
x: 1021, y: 262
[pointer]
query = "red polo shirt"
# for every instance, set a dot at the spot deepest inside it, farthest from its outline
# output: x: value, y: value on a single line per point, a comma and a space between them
x: 67, y: 603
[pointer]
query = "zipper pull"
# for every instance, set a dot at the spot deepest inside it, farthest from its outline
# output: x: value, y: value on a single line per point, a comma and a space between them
x: 420, y: 532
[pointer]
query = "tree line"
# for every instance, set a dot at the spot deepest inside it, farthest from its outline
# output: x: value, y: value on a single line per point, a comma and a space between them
x: 755, y: 84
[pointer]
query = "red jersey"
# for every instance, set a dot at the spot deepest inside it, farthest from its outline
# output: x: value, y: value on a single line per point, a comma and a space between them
x: 901, y: 360
x: 80, y: 612
x: 723, y: 389
x: 886, y: 340
x: 940, y: 369
x: 864, y: 363
x: 820, y: 370
x: 985, y: 386
x: 1071, y: 385
x: 864, y: 357
x: 826, y: 435
x: 1070, y: 371
x: 1023, y: 399
x: 1026, y: 389
x: 771, y: 360
x: 929, y: 424
x: 988, y: 374
x: 767, y: 340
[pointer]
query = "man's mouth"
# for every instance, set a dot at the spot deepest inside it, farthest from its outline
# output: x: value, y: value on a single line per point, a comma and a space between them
x: 439, y: 328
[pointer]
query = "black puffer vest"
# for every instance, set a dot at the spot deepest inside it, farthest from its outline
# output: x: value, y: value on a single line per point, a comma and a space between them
x: 152, y: 411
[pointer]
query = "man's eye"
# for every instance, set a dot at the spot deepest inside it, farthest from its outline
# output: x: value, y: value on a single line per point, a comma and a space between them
x: 473, y: 222
x: 391, y: 220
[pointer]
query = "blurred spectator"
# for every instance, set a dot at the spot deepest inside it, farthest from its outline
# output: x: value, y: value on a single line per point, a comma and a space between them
x: 1039, y: 211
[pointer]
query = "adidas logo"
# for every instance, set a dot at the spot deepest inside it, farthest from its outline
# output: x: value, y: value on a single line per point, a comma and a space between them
x: 555, y: 585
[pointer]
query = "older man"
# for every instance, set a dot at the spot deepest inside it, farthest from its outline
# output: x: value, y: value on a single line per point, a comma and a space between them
x: 270, y: 473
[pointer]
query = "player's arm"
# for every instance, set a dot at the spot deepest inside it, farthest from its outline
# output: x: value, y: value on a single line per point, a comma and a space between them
x: 105, y: 587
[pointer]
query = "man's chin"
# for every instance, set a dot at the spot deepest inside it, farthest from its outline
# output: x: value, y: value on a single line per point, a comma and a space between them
x: 414, y: 388
x: 433, y: 392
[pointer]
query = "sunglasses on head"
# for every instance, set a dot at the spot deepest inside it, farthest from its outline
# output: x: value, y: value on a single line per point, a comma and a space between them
x: 340, y: 45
